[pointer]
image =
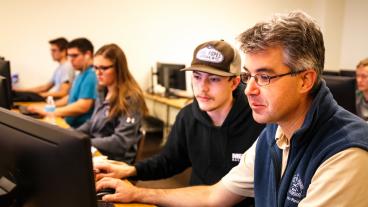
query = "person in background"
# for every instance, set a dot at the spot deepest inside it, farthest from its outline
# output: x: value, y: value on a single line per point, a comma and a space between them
x: 115, y: 124
x: 60, y: 82
x: 77, y: 107
x: 312, y: 151
x: 362, y: 89
x: 209, y: 134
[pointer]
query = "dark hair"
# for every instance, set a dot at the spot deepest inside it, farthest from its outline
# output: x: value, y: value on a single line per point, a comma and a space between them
x: 82, y: 44
x: 60, y: 42
x: 296, y: 33
x: 127, y: 96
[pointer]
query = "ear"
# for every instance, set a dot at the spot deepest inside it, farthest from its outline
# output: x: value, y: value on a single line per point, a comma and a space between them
x: 235, y: 82
x: 307, y: 80
x: 88, y: 55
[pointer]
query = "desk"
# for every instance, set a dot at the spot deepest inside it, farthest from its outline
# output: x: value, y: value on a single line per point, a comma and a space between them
x: 165, y: 109
x: 59, y: 120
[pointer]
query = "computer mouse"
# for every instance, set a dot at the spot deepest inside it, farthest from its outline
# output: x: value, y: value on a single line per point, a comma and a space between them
x: 103, y: 192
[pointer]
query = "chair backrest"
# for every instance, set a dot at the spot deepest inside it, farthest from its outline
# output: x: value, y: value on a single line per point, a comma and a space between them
x: 140, y: 146
x: 343, y: 90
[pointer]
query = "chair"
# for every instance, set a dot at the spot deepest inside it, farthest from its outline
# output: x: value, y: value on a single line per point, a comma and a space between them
x: 140, y: 145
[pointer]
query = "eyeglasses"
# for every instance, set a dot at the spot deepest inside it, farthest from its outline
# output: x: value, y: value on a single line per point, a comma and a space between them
x: 264, y: 79
x: 55, y: 50
x: 73, y: 55
x: 103, y: 68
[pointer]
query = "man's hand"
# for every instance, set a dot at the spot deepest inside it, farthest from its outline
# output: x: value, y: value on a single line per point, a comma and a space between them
x: 112, y: 169
x: 124, y: 190
x: 37, y: 109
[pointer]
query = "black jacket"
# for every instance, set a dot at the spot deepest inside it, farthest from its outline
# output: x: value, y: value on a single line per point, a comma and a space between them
x: 195, y: 142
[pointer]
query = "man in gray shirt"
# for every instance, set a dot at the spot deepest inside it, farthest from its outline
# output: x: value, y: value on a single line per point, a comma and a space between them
x: 61, y: 81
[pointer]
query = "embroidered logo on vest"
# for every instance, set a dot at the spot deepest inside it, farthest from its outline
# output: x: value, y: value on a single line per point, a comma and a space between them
x: 295, y: 192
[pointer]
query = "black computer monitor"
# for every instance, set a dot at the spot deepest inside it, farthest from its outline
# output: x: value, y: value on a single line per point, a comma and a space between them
x: 170, y: 76
x: 331, y: 72
x: 4, y: 98
x: 50, y: 166
x: 5, y: 72
x: 343, y: 90
x: 348, y: 73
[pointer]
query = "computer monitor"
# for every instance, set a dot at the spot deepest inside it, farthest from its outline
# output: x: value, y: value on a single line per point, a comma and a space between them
x: 5, y: 72
x: 331, y: 72
x: 170, y: 77
x: 343, y: 90
x: 43, y: 165
x: 348, y: 73
x: 4, y: 98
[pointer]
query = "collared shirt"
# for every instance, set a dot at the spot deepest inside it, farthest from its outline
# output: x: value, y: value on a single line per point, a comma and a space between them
x: 333, y: 183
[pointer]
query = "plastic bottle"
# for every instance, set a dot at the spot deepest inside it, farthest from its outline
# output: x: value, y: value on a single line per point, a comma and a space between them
x: 50, y: 109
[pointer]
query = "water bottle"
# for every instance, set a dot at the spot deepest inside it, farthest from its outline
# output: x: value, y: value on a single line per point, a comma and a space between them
x: 50, y: 109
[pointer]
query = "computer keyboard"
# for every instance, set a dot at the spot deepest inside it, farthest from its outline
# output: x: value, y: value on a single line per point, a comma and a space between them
x: 104, y: 204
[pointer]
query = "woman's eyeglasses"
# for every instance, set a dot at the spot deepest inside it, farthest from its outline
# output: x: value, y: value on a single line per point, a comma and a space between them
x: 101, y: 67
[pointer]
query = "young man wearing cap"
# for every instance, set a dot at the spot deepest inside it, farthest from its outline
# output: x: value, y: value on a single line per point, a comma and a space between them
x: 312, y: 151
x: 208, y: 135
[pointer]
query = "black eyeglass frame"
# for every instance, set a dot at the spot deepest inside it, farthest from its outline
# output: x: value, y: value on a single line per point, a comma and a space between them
x: 264, y: 76
x: 103, y: 68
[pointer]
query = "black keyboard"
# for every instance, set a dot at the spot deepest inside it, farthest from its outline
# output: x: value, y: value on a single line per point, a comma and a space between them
x: 104, y: 204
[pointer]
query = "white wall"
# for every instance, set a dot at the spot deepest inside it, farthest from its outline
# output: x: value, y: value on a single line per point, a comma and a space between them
x: 354, y: 38
x: 147, y: 30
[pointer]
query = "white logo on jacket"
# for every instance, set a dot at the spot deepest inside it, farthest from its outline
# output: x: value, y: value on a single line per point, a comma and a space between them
x: 236, y: 157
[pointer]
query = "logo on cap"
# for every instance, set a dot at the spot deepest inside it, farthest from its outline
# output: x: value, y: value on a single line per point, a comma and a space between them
x: 210, y: 54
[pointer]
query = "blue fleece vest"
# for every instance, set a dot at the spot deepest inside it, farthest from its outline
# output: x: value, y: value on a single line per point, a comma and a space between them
x: 327, y: 130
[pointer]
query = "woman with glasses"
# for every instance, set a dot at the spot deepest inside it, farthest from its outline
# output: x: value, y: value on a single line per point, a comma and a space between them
x: 116, y: 120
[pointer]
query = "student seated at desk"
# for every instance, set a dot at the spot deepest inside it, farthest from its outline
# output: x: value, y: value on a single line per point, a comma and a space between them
x: 61, y: 81
x: 77, y: 107
x: 209, y: 134
x: 115, y: 124
x: 312, y: 151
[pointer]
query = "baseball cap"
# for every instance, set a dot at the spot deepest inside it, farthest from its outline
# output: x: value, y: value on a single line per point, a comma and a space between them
x: 216, y: 57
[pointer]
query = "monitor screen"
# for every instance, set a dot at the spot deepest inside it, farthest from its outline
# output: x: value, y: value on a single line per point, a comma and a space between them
x: 43, y: 165
x: 331, y: 72
x: 4, y: 99
x: 343, y: 90
x: 5, y: 72
x: 170, y: 76
x: 348, y: 73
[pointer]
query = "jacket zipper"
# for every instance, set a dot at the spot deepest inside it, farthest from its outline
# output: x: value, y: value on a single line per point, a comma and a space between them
x: 277, y: 169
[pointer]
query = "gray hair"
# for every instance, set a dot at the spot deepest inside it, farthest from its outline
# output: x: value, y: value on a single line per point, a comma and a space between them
x: 297, y: 33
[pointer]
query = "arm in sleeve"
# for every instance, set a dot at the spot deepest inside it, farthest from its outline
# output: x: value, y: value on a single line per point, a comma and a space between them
x: 240, y: 179
x: 341, y: 180
x: 126, y: 134
x: 85, y: 128
x: 172, y: 160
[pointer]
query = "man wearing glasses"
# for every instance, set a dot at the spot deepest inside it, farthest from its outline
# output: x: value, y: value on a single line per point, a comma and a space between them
x: 312, y: 152
x: 61, y: 81
x: 362, y: 89
x: 77, y: 107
